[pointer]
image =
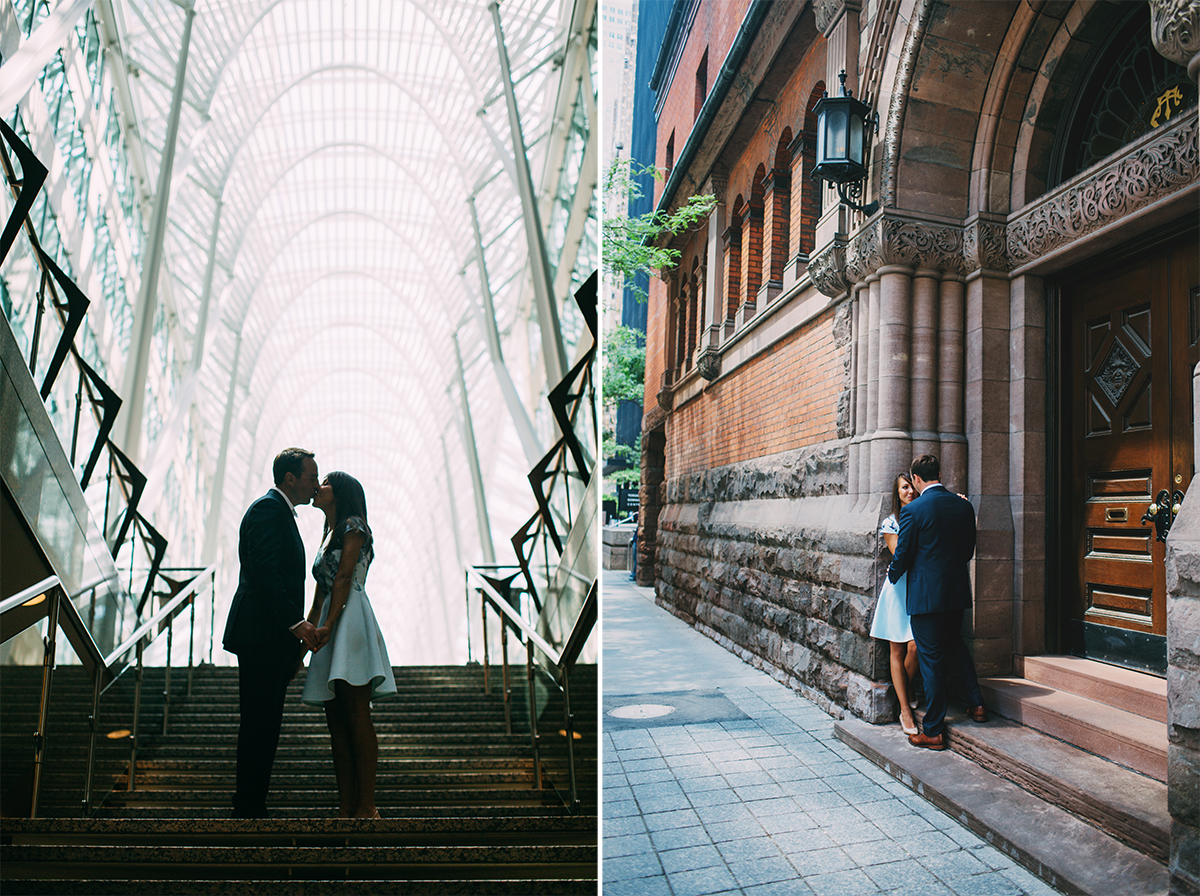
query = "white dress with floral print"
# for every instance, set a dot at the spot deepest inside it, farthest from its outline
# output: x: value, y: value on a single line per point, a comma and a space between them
x: 356, y: 652
x: 891, y: 622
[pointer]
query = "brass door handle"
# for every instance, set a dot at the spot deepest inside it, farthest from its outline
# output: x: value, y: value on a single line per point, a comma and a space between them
x: 1163, y: 512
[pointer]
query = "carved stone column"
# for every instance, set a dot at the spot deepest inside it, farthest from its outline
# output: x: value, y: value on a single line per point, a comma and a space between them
x: 858, y: 482
x: 709, y: 359
x: 872, y: 396
x: 950, y: 380
x: 924, y: 363
x: 891, y: 445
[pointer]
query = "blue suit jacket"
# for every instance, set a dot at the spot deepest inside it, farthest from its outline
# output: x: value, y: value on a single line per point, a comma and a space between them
x: 270, y: 592
x: 935, y: 544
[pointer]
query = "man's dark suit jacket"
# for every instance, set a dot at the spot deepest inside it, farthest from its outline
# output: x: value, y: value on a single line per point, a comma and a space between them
x: 270, y: 592
x: 935, y: 544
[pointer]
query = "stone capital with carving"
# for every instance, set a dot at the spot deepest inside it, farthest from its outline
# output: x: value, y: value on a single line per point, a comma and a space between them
x: 1175, y: 30
x: 827, y: 12
x: 827, y: 268
x: 709, y: 364
x: 985, y: 246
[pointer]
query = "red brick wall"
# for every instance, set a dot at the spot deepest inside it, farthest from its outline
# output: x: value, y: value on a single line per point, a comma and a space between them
x: 784, y: 399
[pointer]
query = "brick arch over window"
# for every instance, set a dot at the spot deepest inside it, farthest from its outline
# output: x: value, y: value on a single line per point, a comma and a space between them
x: 806, y: 193
x: 778, y: 211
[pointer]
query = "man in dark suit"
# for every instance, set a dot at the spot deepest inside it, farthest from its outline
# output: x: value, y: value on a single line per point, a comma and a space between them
x: 935, y: 545
x: 267, y: 628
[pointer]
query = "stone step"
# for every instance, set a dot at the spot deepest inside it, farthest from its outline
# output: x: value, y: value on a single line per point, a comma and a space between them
x: 1133, y: 741
x: 1135, y: 692
x: 1061, y: 848
x: 584, y: 886
x: 311, y: 831
x: 304, y: 814
x: 302, y: 862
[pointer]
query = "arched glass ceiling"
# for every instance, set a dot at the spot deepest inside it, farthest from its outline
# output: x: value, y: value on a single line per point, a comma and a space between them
x: 336, y: 148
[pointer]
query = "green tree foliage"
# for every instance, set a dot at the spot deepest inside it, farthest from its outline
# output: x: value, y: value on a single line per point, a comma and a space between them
x: 631, y: 247
x: 630, y: 243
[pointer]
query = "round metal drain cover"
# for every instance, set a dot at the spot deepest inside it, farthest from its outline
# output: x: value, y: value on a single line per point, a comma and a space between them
x: 642, y: 711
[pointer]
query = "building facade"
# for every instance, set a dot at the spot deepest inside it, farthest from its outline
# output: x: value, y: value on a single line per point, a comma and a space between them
x: 1025, y: 305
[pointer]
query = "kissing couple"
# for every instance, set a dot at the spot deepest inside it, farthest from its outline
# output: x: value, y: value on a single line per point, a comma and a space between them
x: 931, y: 534
x: 270, y: 634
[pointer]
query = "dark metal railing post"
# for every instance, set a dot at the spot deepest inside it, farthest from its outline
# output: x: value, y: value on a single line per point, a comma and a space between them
x: 167, y: 675
x: 533, y: 726
x: 93, y: 726
x: 212, y: 616
x: 507, y: 684
x: 569, y: 723
x: 191, y: 645
x: 137, y: 712
x: 487, y: 682
x: 39, y: 738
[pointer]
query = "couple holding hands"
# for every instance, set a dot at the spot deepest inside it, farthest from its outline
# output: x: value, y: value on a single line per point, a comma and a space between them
x: 931, y: 534
x: 270, y: 634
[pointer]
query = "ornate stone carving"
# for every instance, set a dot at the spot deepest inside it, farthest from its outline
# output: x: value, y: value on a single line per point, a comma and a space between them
x: 894, y: 120
x: 1136, y: 180
x: 984, y: 246
x: 828, y: 269
x: 826, y: 12
x: 709, y: 364
x: 902, y: 241
x: 1175, y: 30
x: 1117, y: 372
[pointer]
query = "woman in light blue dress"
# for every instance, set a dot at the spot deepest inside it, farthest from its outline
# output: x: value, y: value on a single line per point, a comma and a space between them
x: 891, y: 622
x: 350, y: 666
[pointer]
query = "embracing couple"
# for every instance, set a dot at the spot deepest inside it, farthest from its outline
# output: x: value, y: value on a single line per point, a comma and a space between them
x: 270, y: 634
x: 931, y: 534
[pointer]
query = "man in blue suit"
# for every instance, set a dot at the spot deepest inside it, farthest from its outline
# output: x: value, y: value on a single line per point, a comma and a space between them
x: 935, y: 546
x: 267, y: 628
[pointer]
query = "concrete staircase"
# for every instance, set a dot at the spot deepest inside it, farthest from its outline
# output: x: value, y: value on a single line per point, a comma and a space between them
x: 462, y: 812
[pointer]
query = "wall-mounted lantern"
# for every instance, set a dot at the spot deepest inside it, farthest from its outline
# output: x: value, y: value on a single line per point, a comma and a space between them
x: 844, y: 125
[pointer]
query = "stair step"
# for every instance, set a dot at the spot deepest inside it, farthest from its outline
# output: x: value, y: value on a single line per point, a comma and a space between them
x: 1131, y: 740
x: 1025, y: 827
x: 448, y: 886
x: 311, y: 831
x: 1135, y: 692
x: 302, y: 862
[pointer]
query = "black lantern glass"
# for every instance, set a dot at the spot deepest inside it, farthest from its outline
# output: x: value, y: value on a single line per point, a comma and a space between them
x: 843, y: 125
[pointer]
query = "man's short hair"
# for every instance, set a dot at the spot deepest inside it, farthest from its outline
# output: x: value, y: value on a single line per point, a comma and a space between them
x: 927, y: 467
x: 289, y: 460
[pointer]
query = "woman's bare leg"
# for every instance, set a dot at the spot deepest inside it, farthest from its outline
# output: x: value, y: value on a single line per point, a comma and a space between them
x: 343, y: 757
x: 898, y: 661
x: 363, y: 742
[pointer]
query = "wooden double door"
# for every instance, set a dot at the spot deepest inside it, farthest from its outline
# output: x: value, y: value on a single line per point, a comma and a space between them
x: 1129, y: 346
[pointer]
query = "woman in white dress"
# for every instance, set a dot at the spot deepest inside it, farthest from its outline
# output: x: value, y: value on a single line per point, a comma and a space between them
x: 891, y: 622
x: 350, y: 666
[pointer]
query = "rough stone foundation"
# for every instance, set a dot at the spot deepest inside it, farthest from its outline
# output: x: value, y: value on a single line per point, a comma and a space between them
x: 1183, y: 698
x: 771, y: 559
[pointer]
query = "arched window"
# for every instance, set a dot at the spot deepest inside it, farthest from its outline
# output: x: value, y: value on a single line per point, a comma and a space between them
x: 733, y: 260
x: 1128, y: 89
x: 807, y: 201
x: 776, y: 236
x: 752, y: 236
x: 696, y: 311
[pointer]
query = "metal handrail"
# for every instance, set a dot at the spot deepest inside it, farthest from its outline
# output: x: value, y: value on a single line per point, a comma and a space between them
x: 104, y: 671
x: 562, y: 661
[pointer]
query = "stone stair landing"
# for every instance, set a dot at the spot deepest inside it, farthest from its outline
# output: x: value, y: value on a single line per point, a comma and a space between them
x: 1115, y: 713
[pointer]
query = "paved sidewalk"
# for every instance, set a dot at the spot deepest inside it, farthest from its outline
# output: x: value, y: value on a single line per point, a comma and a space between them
x: 742, y: 786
